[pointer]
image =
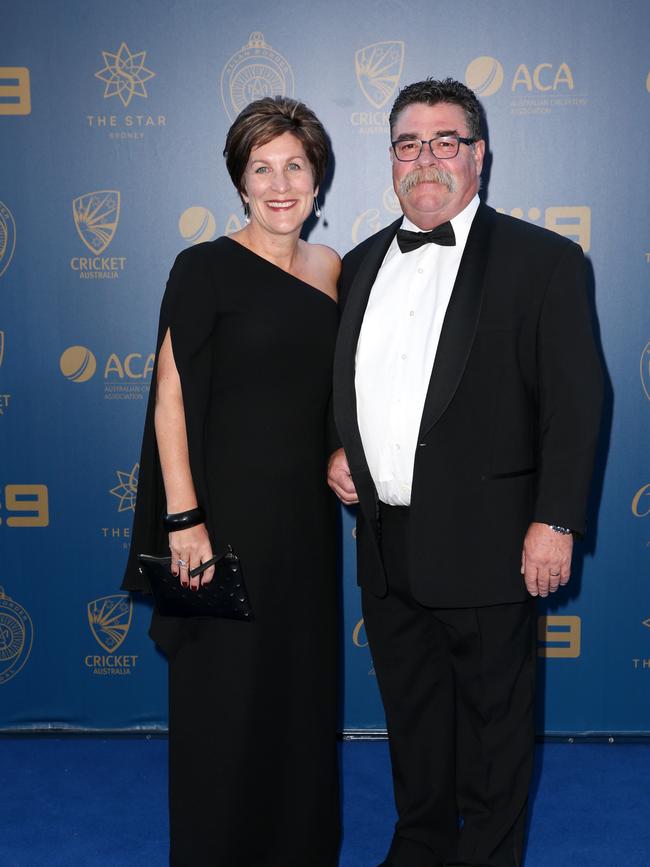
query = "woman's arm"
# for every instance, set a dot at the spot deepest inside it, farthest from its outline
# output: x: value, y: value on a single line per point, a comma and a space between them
x: 191, y: 546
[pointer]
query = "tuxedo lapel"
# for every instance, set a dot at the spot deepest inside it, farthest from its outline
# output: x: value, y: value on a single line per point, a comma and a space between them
x: 345, y: 403
x: 460, y: 323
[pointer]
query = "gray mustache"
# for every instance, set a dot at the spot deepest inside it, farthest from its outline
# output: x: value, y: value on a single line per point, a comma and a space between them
x: 428, y: 173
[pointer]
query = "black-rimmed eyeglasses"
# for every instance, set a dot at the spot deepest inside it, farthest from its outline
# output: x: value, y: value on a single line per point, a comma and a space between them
x: 443, y: 147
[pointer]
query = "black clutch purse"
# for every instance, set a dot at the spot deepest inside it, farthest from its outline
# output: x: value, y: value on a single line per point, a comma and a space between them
x: 224, y: 596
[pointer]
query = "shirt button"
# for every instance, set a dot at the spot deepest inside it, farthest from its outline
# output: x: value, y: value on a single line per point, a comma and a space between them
x: 397, y: 446
x: 404, y: 357
x: 411, y: 312
x: 420, y: 271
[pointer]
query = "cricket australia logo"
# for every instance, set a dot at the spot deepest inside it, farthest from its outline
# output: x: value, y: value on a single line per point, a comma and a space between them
x: 379, y: 67
x: 96, y: 216
x: 110, y: 619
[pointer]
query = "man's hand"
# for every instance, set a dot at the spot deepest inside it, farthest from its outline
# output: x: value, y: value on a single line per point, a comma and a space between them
x: 545, y: 559
x: 339, y: 478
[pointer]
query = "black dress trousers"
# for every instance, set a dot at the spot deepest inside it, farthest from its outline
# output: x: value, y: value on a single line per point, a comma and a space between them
x: 458, y: 690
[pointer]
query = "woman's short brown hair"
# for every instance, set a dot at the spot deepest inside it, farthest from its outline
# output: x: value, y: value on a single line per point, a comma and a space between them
x: 265, y: 119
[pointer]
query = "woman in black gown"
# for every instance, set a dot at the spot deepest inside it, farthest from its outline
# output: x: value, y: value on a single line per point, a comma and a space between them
x: 237, y: 428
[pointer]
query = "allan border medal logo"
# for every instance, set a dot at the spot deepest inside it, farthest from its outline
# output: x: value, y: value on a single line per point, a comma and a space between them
x: 16, y: 636
x: 7, y: 237
x: 255, y: 71
x: 378, y: 68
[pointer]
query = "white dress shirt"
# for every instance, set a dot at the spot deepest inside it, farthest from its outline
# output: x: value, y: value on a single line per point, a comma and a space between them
x: 396, y: 350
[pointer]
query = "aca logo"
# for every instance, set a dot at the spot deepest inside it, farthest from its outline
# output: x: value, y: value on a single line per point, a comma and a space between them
x: 125, y: 377
x: 197, y: 224
x: 127, y: 489
x: 109, y: 619
x: 78, y: 364
x: 572, y: 221
x: 484, y: 76
x: 7, y: 237
x: 644, y: 369
x: 16, y: 636
x: 15, y: 92
x: 536, y: 89
x: 96, y: 216
x: 255, y: 71
x: 378, y: 68
x: 373, y: 219
x: 125, y: 76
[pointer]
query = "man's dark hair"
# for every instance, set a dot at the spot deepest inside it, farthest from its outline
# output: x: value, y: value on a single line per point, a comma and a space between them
x: 431, y: 92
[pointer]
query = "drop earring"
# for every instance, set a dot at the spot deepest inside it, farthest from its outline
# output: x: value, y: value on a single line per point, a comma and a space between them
x: 317, y: 210
x: 247, y: 213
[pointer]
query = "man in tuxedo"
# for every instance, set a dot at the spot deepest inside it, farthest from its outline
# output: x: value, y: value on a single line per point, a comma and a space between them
x: 467, y: 397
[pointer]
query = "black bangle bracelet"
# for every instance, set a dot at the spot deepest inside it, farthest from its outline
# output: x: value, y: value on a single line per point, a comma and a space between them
x: 183, y: 520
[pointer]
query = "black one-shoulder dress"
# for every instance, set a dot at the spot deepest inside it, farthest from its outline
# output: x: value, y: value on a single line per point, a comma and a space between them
x: 252, y: 706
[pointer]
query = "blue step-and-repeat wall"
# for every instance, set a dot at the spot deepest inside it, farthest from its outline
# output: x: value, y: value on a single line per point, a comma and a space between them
x: 113, y: 116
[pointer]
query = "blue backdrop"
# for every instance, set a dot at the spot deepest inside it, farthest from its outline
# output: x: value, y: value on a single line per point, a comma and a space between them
x: 112, y: 121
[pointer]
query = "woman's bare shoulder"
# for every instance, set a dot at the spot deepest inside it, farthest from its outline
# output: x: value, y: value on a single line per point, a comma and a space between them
x: 327, y: 259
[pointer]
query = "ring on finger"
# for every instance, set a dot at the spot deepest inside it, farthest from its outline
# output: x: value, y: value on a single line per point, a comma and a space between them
x: 554, y: 574
x: 182, y: 563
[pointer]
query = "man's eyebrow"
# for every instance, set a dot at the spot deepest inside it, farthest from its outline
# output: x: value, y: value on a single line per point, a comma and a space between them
x: 414, y: 135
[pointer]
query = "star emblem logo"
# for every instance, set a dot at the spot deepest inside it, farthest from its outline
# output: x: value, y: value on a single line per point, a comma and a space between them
x: 127, y: 489
x: 124, y: 74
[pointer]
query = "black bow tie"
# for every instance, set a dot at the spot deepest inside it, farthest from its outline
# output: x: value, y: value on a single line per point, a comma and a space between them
x: 443, y: 235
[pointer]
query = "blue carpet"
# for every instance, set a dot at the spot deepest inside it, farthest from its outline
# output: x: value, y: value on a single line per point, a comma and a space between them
x: 91, y: 802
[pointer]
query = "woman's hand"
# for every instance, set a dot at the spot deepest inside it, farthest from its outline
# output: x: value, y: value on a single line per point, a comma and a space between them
x: 189, y: 548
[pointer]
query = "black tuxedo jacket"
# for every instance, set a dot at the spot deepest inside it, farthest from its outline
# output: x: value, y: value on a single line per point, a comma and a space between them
x: 511, y: 416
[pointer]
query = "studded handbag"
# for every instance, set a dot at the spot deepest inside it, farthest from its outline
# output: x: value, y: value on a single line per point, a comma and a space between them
x: 224, y: 596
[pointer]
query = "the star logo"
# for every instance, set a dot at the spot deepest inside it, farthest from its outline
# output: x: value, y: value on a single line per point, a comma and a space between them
x: 124, y: 74
x: 127, y: 489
